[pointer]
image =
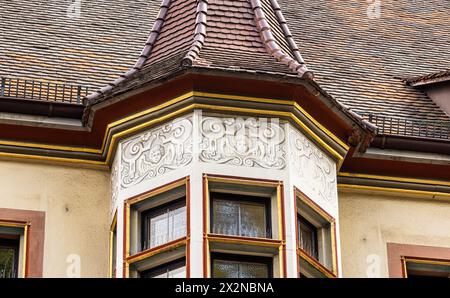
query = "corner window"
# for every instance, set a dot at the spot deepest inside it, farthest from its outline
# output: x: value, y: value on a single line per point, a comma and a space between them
x: 316, y: 238
x: 240, y: 266
x: 308, y: 237
x: 240, y: 215
x: 157, y: 232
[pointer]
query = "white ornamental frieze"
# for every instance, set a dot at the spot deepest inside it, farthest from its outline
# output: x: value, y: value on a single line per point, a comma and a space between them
x: 240, y: 141
x: 157, y: 151
x: 315, y: 168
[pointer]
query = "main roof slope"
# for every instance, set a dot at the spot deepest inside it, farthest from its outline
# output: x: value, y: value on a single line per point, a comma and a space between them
x: 362, y: 62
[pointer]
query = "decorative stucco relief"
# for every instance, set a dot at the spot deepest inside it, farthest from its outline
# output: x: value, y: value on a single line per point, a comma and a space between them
x: 312, y: 166
x: 240, y: 141
x: 157, y: 151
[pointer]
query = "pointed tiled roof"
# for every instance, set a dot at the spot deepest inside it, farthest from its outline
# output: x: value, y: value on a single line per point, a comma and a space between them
x: 227, y: 34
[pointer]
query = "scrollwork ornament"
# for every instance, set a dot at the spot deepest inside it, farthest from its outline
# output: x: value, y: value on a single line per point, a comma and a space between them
x: 156, y: 151
x: 249, y: 142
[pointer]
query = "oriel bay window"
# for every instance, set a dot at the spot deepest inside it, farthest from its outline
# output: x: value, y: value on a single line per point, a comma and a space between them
x: 316, y: 239
x: 157, y: 227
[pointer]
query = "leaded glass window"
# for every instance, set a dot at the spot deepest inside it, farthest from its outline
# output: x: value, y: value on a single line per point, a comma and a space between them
x: 240, y: 216
x: 163, y: 224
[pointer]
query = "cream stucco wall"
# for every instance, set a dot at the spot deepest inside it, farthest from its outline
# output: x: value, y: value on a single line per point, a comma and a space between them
x: 368, y: 221
x: 76, y: 202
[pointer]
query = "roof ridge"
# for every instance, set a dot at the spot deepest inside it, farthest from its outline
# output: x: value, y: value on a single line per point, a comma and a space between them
x: 273, y: 48
x: 199, y: 33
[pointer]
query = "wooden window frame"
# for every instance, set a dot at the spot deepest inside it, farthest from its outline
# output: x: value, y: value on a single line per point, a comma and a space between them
x: 129, y: 259
x: 242, y: 258
x: 279, y: 244
x: 112, y: 230
x: 33, y: 223
x: 399, y: 254
x: 301, y: 254
x: 245, y: 199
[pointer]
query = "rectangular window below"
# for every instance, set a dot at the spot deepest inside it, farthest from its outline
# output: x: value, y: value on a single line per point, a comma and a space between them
x: 240, y: 266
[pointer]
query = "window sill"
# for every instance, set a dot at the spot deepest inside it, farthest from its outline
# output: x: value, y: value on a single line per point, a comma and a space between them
x: 314, y: 263
x: 244, y: 240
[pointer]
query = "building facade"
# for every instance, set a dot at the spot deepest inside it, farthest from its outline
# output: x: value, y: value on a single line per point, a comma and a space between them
x: 249, y: 138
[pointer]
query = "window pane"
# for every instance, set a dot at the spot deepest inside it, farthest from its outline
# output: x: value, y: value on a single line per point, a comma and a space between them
x: 226, y: 217
x: 177, y: 223
x: 158, y: 230
x: 308, y: 238
x: 253, y: 270
x: 224, y: 269
x: 7, y: 262
x: 165, y: 225
x: 253, y: 220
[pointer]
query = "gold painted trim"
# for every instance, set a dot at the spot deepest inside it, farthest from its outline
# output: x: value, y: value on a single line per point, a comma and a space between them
x: 396, y: 190
x: 127, y: 230
x: 280, y: 213
x: 425, y: 261
x: 157, y: 191
x: 25, y: 250
x: 173, y: 114
x: 405, y: 271
x: 13, y: 224
x: 397, y: 179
